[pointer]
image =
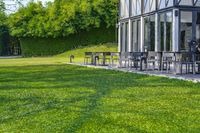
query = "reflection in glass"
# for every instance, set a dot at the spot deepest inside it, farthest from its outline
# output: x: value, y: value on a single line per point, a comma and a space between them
x: 169, y: 31
x: 146, y: 6
x: 186, y: 30
x: 162, y: 29
x: 122, y: 37
x: 161, y: 4
x: 133, y: 7
x: 197, y: 2
x: 124, y: 8
x: 126, y: 37
x: 186, y: 2
x: 138, y: 7
x: 135, y: 36
x: 149, y: 32
x: 165, y: 30
x: 198, y: 28
x: 152, y: 33
x: 169, y: 3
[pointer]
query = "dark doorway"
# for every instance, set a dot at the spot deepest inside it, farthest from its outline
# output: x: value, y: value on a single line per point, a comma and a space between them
x: 9, y: 46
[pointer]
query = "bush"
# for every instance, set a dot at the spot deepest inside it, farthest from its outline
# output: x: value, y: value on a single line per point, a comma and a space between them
x: 53, y: 46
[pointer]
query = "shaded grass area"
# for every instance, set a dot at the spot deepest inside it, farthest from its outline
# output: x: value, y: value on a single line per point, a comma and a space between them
x: 49, y: 96
x: 34, y: 47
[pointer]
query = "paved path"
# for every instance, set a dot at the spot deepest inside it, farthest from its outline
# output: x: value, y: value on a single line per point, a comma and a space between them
x: 10, y: 57
x: 187, y: 77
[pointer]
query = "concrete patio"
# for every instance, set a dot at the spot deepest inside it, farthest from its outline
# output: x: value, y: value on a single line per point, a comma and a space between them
x: 186, y: 77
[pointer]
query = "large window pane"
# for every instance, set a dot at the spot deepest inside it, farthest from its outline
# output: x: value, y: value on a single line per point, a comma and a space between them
x: 186, y: 30
x: 169, y: 3
x: 149, y: 33
x: 152, y: 5
x: 135, y: 36
x: 133, y: 7
x: 198, y: 28
x: 165, y: 31
x: 124, y: 8
x: 138, y: 7
x: 197, y: 2
x: 169, y: 31
x: 152, y: 33
x: 122, y: 37
x: 146, y: 6
x: 149, y: 5
x: 139, y: 35
x: 161, y: 4
x: 126, y: 36
x: 162, y: 31
x: 186, y: 2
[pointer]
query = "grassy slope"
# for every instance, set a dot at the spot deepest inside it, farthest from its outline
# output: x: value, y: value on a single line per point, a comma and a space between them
x: 79, y: 52
x: 49, y: 96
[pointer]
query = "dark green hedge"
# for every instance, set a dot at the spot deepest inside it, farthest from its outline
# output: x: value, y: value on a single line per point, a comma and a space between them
x: 53, y: 46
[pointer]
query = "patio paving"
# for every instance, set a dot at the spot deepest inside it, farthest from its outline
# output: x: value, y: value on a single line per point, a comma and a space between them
x: 187, y: 77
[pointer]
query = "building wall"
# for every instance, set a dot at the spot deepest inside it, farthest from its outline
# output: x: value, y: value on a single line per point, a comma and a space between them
x: 167, y: 31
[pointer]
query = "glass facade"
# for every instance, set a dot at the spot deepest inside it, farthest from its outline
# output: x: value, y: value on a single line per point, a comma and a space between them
x: 159, y: 26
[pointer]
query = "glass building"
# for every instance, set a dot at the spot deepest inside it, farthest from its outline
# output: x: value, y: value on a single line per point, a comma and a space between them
x: 158, y: 25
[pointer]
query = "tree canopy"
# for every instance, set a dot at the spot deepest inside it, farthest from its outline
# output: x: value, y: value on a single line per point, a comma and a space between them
x: 62, y: 17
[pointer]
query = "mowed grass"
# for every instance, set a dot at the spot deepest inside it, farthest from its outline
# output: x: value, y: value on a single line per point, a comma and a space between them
x: 47, y: 95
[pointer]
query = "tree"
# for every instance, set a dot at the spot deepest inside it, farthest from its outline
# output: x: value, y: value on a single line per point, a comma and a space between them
x: 62, y: 17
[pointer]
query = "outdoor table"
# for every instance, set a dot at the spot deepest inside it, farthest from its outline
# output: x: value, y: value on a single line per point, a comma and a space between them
x: 98, y: 54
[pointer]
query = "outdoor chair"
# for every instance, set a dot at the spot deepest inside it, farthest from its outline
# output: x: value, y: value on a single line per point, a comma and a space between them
x: 168, y: 59
x: 88, y: 59
x: 114, y: 57
x: 97, y: 57
x: 137, y: 59
x: 196, y: 64
x: 185, y: 59
x: 153, y: 59
x: 124, y: 59
x: 105, y: 59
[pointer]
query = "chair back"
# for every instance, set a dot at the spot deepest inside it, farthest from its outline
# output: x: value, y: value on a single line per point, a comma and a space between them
x: 88, y: 54
x: 99, y: 54
x: 168, y: 56
x: 125, y: 55
x: 184, y: 56
x: 152, y: 55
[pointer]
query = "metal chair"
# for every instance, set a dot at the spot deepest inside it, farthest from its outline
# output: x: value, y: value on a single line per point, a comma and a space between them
x: 153, y: 59
x: 97, y: 57
x: 168, y: 58
x: 185, y: 59
x: 88, y: 57
x: 137, y: 59
x: 124, y: 59
x: 114, y: 57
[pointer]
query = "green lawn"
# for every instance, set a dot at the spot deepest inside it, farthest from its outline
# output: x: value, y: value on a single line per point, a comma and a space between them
x: 47, y: 95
